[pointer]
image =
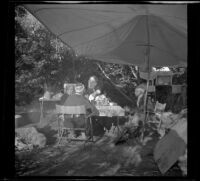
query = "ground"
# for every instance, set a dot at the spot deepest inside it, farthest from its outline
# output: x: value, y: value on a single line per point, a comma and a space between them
x: 102, y: 158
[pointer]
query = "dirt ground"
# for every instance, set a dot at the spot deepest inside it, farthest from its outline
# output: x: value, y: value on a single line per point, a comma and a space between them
x: 102, y: 158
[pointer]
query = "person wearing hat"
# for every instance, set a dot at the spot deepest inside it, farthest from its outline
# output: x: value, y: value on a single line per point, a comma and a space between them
x: 77, y: 99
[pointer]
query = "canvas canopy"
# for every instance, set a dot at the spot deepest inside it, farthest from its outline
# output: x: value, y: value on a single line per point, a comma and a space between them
x: 119, y: 33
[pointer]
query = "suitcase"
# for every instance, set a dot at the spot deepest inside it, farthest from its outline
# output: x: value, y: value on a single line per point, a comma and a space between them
x: 168, y: 150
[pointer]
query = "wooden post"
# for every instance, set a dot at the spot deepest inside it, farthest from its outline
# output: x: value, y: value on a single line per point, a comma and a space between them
x: 41, y: 110
x: 147, y: 61
x: 42, y: 103
x: 146, y: 97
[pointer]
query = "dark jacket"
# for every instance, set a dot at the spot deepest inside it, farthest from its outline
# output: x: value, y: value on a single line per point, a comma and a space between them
x: 77, y: 100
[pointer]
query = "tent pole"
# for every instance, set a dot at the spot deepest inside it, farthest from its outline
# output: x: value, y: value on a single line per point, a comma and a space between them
x: 147, y: 57
x: 146, y: 98
x: 73, y: 68
x: 146, y: 93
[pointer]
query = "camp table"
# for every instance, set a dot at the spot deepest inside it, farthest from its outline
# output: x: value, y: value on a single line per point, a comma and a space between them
x: 111, y: 111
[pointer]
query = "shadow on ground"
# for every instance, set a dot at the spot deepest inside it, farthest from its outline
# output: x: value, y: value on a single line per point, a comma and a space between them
x: 100, y: 159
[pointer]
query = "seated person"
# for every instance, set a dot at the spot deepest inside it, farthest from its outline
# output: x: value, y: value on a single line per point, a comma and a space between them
x: 93, y: 88
x: 68, y: 90
x: 78, y: 99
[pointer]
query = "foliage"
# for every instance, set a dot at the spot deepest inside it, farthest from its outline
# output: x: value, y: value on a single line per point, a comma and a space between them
x: 121, y: 74
x: 40, y: 58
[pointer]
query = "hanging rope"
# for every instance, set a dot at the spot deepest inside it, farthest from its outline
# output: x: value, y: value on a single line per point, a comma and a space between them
x: 114, y: 84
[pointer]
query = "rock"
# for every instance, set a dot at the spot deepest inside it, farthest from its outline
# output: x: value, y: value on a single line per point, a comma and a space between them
x: 39, y: 140
x: 31, y: 136
x: 21, y: 146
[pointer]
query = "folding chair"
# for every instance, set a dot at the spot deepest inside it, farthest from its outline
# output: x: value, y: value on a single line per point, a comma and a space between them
x: 158, y: 110
x: 72, y: 113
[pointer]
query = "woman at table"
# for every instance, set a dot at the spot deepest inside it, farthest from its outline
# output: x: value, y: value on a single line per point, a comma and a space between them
x: 93, y: 89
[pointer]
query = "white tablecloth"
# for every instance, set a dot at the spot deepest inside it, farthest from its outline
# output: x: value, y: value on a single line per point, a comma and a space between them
x: 110, y: 111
